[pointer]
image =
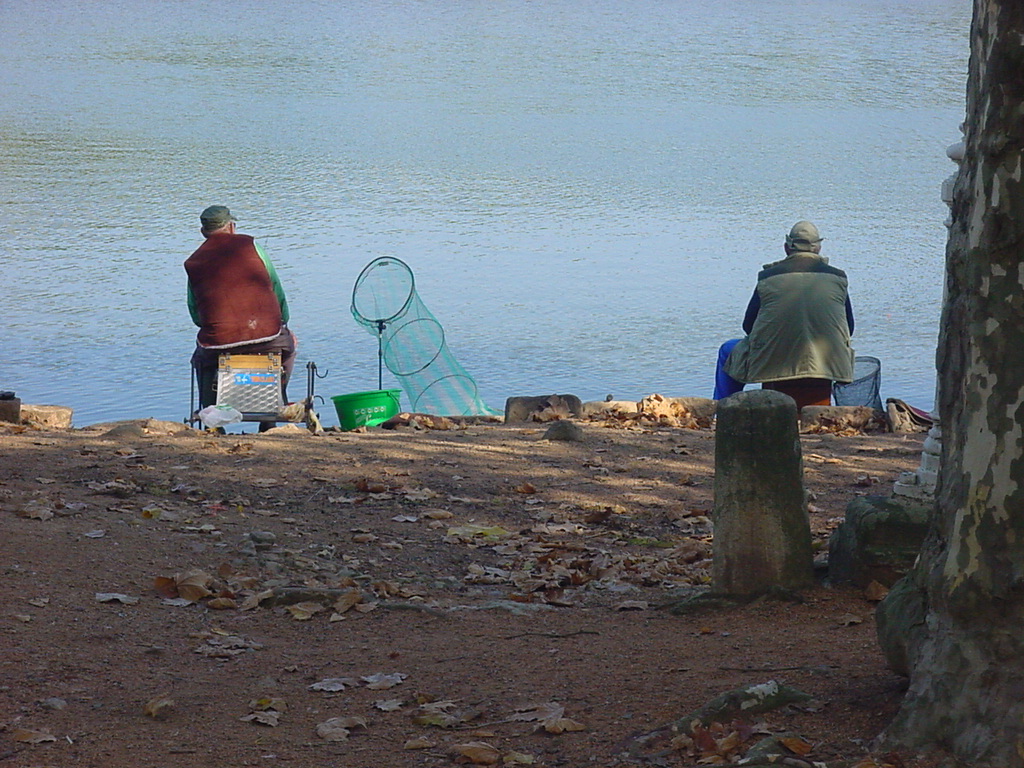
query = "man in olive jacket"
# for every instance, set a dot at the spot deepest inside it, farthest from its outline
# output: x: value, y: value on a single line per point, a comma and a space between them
x: 798, y: 324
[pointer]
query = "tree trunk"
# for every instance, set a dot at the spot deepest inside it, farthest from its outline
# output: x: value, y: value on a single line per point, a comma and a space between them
x: 966, y: 689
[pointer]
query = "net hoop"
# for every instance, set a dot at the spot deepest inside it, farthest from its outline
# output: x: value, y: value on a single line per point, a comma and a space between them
x: 465, y: 385
x: 423, y: 333
x: 374, y: 270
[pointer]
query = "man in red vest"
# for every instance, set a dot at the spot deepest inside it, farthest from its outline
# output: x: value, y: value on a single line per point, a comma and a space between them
x: 236, y: 299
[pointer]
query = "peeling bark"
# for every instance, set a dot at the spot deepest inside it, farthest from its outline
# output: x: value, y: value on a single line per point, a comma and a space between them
x: 966, y: 689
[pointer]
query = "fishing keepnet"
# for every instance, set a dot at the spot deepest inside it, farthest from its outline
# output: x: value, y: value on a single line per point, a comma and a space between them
x: 411, y: 342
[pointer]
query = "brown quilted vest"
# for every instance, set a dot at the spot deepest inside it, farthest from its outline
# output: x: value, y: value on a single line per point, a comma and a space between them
x: 233, y: 292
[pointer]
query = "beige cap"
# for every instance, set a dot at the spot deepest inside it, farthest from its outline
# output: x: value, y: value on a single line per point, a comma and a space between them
x: 803, y: 233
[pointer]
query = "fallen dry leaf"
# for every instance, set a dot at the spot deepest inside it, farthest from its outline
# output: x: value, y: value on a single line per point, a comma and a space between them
x: 796, y: 745
x: 270, y: 718
x: 265, y: 711
x: 563, y: 725
x: 538, y: 712
x: 370, y: 486
x: 387, y: 589
x: 115, y: 597
x: 28, y: 736
x: 166, y: 587
x: 36, y: 510
x: 252, y: 601
x: 477, y: 752
x: 420, y: 494
x: 549, y: 716
x: 348, y: 600
x: 158, y: 708
x: 473, y: 531
x: 339, y: 728
x: 380, y: 680
x: 875, y: 592
x: 334, y: 684
x: 193, y: 585
x: 268, y: 703
x: 304, y: 611
x: 435, y: 713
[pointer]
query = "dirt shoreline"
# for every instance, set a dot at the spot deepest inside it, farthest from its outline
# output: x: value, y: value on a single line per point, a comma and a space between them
x: 484, y: 566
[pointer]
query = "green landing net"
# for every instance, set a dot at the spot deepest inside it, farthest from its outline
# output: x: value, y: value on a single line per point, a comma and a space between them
x: 411, y: 343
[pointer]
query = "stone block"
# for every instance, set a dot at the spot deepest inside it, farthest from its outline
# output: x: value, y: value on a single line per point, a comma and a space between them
x: 699, y: 411
x: 601, y: 408
x: 878, y: 540
x: 836, y: 418
x: 47, y: 416
x: 909, y: 485
x: 10, y: 408
x: 568, y: 431
x: 542, y: 408
x: 931, y: 463
x: 932, y: 444
x: 701, y: 408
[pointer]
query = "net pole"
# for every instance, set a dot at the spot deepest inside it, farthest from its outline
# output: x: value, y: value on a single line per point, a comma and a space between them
x: 380, y: 355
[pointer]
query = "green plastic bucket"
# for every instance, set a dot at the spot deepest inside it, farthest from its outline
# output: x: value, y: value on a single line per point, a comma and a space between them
x: 366, y: 409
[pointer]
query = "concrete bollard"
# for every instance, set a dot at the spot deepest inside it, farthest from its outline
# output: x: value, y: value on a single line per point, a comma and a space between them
x: 762, y: 532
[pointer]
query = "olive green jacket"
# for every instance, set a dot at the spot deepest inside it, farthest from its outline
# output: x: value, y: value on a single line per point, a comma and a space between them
x: 798, y: 324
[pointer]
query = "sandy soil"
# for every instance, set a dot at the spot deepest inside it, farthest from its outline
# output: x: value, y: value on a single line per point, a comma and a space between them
x: 387, y: 598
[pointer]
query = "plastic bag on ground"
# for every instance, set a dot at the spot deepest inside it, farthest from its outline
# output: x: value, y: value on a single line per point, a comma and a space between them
x: 214, y: 416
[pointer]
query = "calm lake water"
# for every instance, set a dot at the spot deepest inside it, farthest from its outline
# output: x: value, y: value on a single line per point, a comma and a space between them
x: 585, y: 191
